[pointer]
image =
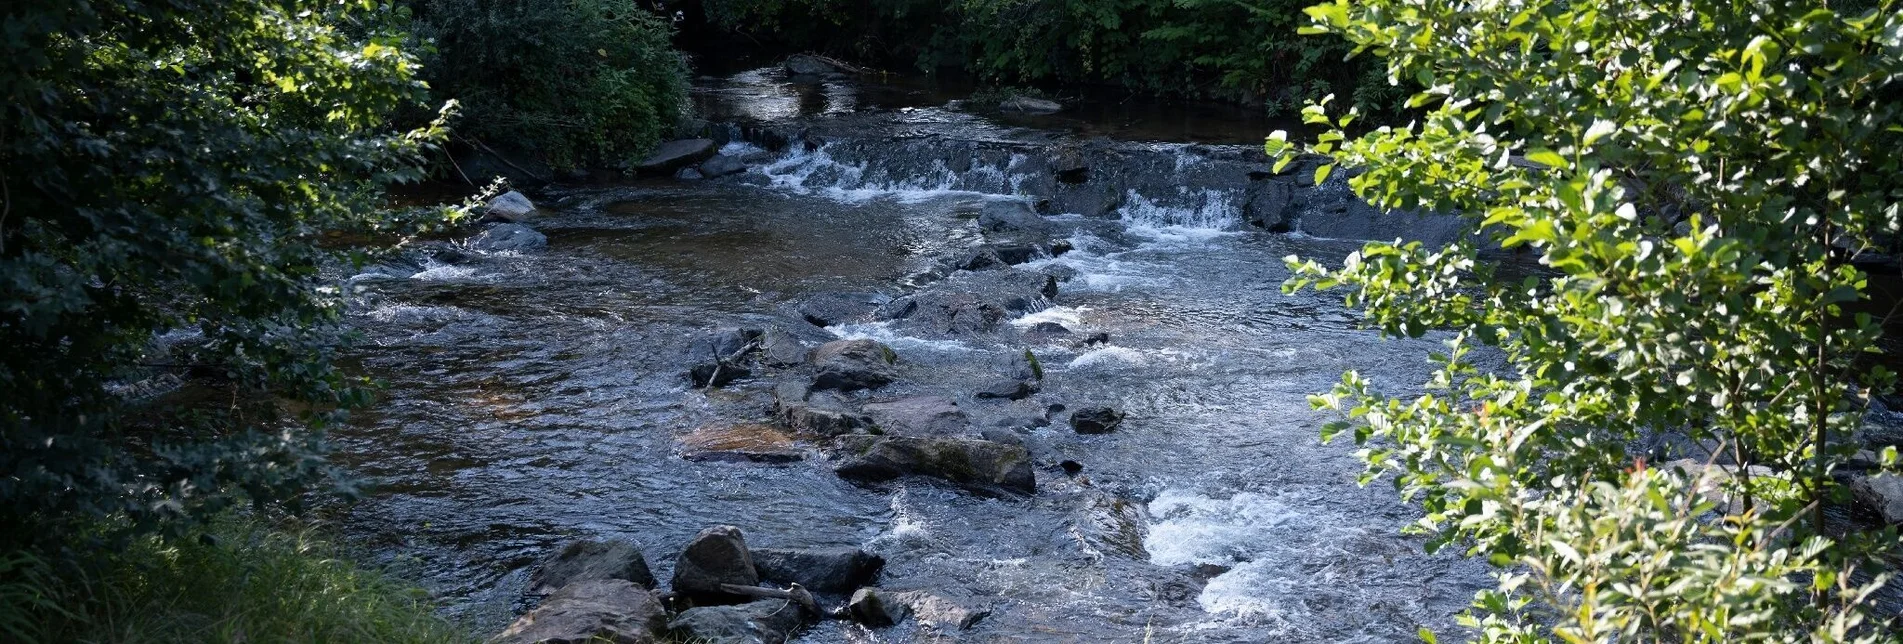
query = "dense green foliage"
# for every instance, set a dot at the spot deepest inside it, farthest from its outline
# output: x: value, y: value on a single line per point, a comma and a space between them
x: 236, y: 581
x: 1228, y: 49
x: 169, y: 167
x: 1694, y: 178
x: 575, y: 83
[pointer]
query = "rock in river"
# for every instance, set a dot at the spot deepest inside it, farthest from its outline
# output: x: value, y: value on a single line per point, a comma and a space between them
x: 876, y: 608
x: 767, y: 621
x: 974, y: 464
x: 509, y: 237
x: 849, y: 365
x: 674, y: 155
x: 918, y: 416
x: 1011, y: 215
x: 718, y: 555
x: 827, y: 570
x: 828, y: 309
x: 721, y: 165
x: 1096, y: 420
x: 586, y: 560
x: 942, y: 610
x: 1883, y: 494
x: 745, y: 443
x: 597, y: 610
x: 510, y: 207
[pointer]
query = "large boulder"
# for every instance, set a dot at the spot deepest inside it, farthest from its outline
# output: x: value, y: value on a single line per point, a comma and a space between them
x: 850, y: 365
x: 829, y: 570
x: 918, y: 416
x: 1882, y: 493
x: 809, y: 66
x: 587, y: 612
x: 778, y: 348
x: 674, y: 155
x: 974, y: 464
x: 1096, y: 420
x: 718, y: 555
x: 1011, y: 215
x: 876, y: 608
x: 509, y: 237
x: 971, y: 303
x: 511, y: 207
x: 744, y: 443
x: 587, y: 560
x: 720, y: 357
x: 767, y: 621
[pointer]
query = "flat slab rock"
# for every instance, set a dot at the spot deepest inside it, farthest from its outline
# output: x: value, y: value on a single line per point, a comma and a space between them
x: 598, y: 610
x: 745, y: 443
x: 1883, y: 494
x: 826, y: 570
x: 767, y: 621
x: 674, y: 155
x: 978, y: 465
x: 918, y: 416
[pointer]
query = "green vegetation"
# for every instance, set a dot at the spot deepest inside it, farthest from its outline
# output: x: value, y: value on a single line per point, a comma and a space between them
x: 1245, y: 51
x: 236, y: 581
x: 575, y: 83
x: 1694, y: 178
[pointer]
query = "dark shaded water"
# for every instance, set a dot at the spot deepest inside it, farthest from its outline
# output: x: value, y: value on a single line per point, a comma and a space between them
x: 538, y: 397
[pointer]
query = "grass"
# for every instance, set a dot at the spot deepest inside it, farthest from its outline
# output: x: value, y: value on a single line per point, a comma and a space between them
x: 239, y: 581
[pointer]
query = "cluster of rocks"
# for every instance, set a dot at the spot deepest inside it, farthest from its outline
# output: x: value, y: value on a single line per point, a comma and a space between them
x: 723, y: 591
x: 508, y: 215
x: 690, y: 159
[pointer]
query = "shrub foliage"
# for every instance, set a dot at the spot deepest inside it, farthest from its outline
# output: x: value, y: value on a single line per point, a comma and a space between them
x: 1695, y: 179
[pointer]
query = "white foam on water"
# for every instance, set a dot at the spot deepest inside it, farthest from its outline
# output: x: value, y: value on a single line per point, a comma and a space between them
x: 741, y: 149
x: 1197, y: 529
x: 1197, y: 218
x: 1069, y: 316
x: 1107, y: 357
x: 882, y: 332
x: 819, y: 173
x: 444, y: 273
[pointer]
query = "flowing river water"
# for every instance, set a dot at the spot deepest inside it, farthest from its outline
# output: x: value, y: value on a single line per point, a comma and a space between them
x: 538, y: 397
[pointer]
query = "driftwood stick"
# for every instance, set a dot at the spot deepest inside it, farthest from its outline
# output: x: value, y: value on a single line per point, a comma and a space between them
x: 796, y: 594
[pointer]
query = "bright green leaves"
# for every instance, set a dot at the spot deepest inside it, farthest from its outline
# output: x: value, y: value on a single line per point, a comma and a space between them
x: 1691, y: 187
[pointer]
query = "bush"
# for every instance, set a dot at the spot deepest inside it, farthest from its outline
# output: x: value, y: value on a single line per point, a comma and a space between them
x: 170, y: 167
x: 238, y: 580
x: 1695, y: 182
x: 576, y: 83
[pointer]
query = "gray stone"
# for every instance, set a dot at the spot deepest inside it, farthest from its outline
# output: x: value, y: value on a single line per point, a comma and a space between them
x: 918, y: 416
x: 718, y: 555
x: 872, y: 607
x: 767, y: 621
x: 826, y: 570
x: 742, y: 443
x: 589, y: 612
x: 1008, y: 388
x: 778, y: 348
x: 1096, y: 420
x: 509, y: 237
x: 720, y: 357
x: 1011, y: 215
x: 589, y: 560
x: 1002, y: 436
x: 817, y: 420
x: 808, y: 65
x: 1882, y: 493
x: 674, y: 155
x: 722, y: 165
x: 850, y: 365
x: 511, y: 207
x: 689, y: 174
x: 942, y: 610
x: 974, y: 464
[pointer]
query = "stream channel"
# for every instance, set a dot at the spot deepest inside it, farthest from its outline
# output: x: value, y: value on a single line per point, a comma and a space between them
x: 538, y: 397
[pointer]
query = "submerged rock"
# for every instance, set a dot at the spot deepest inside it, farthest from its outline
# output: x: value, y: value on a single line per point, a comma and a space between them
x: 830, y: 570
x: 674, y: 155
x: 918, y: 416
x: 721, y: 357
x: 1096, y: 420
x: 721, y: 165
x: 1030, y: 105
x: 809, y: 65
x: 1011, y: 215
x: 591, y: 560
x: 974, y: 464
x: 875, y: 608
x: 1008, y: 388
x: 509, y: 237
x: 718, y: 555
x: 746, y: 443
x: 596, y: 610
x: 828, y: 309
x: 510, y: 207
x: 767, y: 621
x: 850, y: 365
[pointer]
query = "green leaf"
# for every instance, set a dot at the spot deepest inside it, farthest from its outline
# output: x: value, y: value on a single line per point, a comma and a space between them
x: 1547, y: 158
